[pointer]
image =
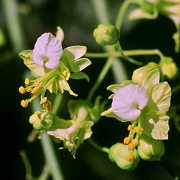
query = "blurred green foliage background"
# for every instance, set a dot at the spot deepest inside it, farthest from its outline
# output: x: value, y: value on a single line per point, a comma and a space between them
x: 78, y: 20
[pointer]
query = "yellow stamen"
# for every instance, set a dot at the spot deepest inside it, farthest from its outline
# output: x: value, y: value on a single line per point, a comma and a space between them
x: 135, y: 142
x: 127, y: 140
x: 139, y: 129
x: 22, y: 90
x: 130, y: 128
x: 131, y: 157
x: 24, y: 103
x: 43, y: 100
x: 27, y: 81
x: 36, y: 89
x: 130, y: 146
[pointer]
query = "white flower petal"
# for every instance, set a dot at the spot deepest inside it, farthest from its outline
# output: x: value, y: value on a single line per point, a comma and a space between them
x: 47, y: 47
x: 128, y: 102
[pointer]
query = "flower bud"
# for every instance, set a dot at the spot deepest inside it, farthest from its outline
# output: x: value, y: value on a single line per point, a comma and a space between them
x: 41, y: 120
x: 150, y: 149
x: 124, y: 158
x: 169, y: 68
x: 106, y: 34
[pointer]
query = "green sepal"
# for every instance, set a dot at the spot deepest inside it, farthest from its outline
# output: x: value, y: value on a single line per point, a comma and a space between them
x: 115, y: 87
x: 159, y: 97
x: 71, y: 58
x: 150, y: 149
x: 155, y: 124
x: 119, y: 152
x: 79, y: 75
x: 109, y: 113
x: 96, y: 110
x: 147, y: 76
x: 26, y: 55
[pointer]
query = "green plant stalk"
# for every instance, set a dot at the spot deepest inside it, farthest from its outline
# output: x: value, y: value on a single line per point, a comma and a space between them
x: 27, y: 165
x: 137, y: 52
x: 47, y: 145
x: 50, y: 157
x: 96, y: 146
x: 121, y: 13
x: 45, y: 173
x: 10, y: 8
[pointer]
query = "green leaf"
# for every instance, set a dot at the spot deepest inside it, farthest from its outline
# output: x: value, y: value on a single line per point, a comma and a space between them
x: 26, y: 55
x: 79, y: 75
x: 160, y: 96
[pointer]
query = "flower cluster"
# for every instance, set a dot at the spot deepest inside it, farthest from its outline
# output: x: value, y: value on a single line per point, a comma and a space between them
x: 143, y: 101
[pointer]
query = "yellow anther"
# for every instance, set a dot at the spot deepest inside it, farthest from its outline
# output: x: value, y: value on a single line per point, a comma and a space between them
x: 126, y: 140
x: 27, y: 81
x: 36, y: 89
x: 22, y: 90
x: 131, y: 146
x: 130, y: 128
x: 24, y: 103
x: 131, y: 157
x: 135, y: 142
x: 43, y: 100
x: 139, y: 129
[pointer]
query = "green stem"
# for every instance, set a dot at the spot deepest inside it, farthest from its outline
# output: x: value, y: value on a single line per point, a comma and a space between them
x: 45, y: 173
x: 121, y: 13
x: 57, y: 103
x: 96, y: 146
x: 50, y: 157
x: 48, y: 148
x: 137, y: 52
x: 10, y: 8
x: 27, y: 165
x: 100, y: 77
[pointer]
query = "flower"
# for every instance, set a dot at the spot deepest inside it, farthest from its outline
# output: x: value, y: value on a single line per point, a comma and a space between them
x: 52, y: 66
x: 144, y: 99
x: 47, y: 51
x: 128, y: 102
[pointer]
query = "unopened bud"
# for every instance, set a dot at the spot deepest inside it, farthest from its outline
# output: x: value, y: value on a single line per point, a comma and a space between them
x: 106, y: 34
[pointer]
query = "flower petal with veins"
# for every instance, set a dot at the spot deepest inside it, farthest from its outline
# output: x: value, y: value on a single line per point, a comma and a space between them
x: 47, y: 50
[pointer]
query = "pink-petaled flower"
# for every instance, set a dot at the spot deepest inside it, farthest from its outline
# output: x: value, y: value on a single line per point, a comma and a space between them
x: 47, y: 51
x: 128, y: 102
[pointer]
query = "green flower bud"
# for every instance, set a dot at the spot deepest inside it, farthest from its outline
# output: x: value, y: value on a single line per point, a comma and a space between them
x: 168, y: 67
x: 150, y: 149
x: 41, y: 120
x: 126, y: 159
x: 106, y: 34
